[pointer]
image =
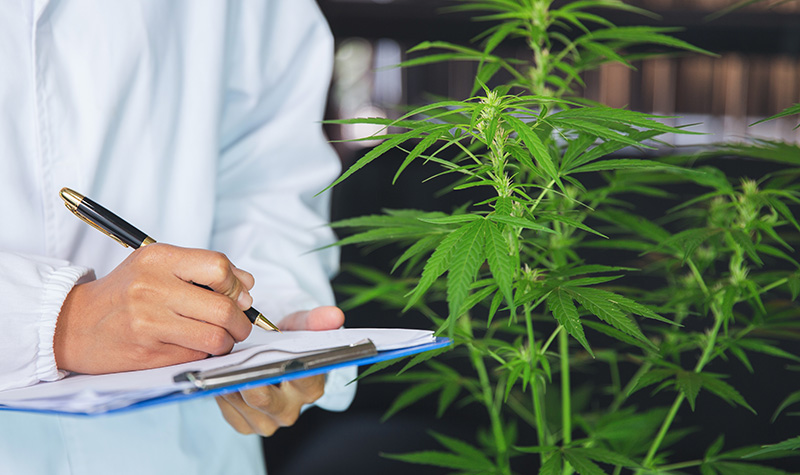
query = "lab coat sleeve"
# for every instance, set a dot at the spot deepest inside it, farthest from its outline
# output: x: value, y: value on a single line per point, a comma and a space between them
x: 32, y: 290
x: 275, y: 159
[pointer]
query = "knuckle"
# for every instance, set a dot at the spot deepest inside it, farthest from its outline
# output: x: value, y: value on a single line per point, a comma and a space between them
x: 152, y: 254
x: 316, y: 392
x: 218, y: 341
x: 261, y: 399
x: 243, y: 429
x: 225, y: 310
x: 311, y: 388
x: 141, y: 355
x: 138, y: 290
x: 219, y: 264
x: 288, y: 417
x: 266, y: 427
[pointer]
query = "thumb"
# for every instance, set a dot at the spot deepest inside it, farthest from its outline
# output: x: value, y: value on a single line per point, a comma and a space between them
x: 320, y: 318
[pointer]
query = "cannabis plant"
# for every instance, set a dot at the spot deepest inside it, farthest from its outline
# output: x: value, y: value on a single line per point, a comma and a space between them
x: 552, y: 269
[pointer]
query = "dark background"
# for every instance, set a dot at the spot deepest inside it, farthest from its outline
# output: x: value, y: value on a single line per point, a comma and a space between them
x: 758, y: 44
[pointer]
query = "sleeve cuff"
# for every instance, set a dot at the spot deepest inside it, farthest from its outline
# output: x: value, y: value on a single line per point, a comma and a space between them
x: 56, y: 287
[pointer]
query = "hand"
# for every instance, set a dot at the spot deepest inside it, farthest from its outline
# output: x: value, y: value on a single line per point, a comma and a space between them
x: 265, y: 409
x: 147, y: 313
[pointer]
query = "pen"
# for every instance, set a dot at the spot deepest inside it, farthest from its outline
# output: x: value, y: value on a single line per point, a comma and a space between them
x: 124, y: 233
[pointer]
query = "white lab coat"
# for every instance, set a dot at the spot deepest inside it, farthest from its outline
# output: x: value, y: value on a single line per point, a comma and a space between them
x: 199, y: 123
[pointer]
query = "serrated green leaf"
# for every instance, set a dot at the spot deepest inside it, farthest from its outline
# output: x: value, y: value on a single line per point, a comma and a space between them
x: 714, y: 448
x: 636, y: 224
x: 618, y: 335
x: 789, y: 444
x: 620, y: 164
x: 440, y: 459
x: 415, y: 152
x: 467, y: 257
x: 410, y: 396
x: 788, y: 401
x: 519, y: 222
x: 794, y: 286
x: 463, y: 449
x: 740, y: 468
x: 423, y: 245
x: 599, y: 304
x: 686, y: 242
x: 437, y: 264
x: 746, y: 244
x: 689, y: 384
x: 582, y: 464
x: 502, y: 263
x: 644, y: 35
x: 374, y: 368
x: 376, y: 152
x: 724, y: 390
x: 565, y: 312
x: 536, y: 148
x: 605, y: 456
x: 651, y: 377
x: 551, y: 466
x: 765, y: 347
x: 791, y: 110
x: 453, y: 219
x: 446, y: 397
x: 569, y: 221
x: 423, y: 357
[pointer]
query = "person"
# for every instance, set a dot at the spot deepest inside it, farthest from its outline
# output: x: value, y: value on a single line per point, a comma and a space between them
x: 199, y: 123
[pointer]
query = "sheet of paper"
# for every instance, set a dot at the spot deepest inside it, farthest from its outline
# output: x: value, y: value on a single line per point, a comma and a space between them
x: 101, y: 393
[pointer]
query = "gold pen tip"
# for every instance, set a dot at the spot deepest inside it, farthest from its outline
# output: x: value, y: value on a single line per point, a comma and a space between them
x: 262, y: 322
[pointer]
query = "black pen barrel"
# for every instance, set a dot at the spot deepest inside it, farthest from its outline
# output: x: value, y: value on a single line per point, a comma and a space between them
x: 112, y: 223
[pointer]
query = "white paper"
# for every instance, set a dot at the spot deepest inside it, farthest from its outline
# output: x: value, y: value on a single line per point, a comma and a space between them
x: 102, y: 393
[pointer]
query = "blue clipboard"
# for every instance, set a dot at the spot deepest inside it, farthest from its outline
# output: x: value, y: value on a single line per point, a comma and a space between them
x: 243, y: 377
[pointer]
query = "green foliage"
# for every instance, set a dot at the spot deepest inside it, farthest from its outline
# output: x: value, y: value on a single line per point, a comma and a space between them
x: 560, y: 245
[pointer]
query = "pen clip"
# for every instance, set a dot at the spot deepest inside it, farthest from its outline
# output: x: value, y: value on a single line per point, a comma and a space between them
x: 91, y: 223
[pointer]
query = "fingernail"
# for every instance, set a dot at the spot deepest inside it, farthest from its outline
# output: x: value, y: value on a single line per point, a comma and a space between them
x: 245, y: 301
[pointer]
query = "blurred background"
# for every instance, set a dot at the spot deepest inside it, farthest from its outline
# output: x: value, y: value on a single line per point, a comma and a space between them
x: 756, y: 74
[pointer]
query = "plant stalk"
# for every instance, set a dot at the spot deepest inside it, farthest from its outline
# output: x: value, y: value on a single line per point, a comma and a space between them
x: 701, y: 363
x: 541, y: 429
x: 491, y: 408
x: 566, y: 394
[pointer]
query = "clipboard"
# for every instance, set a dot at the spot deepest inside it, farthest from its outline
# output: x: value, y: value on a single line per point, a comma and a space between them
x: 217, y: 382
x: 264, y: 364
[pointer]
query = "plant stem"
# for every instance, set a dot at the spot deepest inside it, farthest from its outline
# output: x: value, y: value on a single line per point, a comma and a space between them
x: 704, y: 359
x: 541, y: 195
x: 549, y: 341
x: 492, y: 409
x: 566, y: 394
x: 673, y: 411
x: 541, y: 429
x: 680, y: 465
x: 623, y: 394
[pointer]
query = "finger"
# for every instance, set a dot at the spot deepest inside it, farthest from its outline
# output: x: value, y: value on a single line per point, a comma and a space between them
x: 320, y: 318
x: 210, y: 307
x: 260, y: 422
x: 305, y: 390
x: 244, y: 277
x: 187, y: 333
x: 212, y: 269
x: 233, y: 417
x: 281, y: 405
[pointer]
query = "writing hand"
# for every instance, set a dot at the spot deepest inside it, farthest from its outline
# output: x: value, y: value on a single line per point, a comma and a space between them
x: 265, y: 409
x: 147, y: 313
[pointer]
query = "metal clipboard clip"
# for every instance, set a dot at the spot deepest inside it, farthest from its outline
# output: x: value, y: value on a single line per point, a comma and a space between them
x: 228, y: 376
